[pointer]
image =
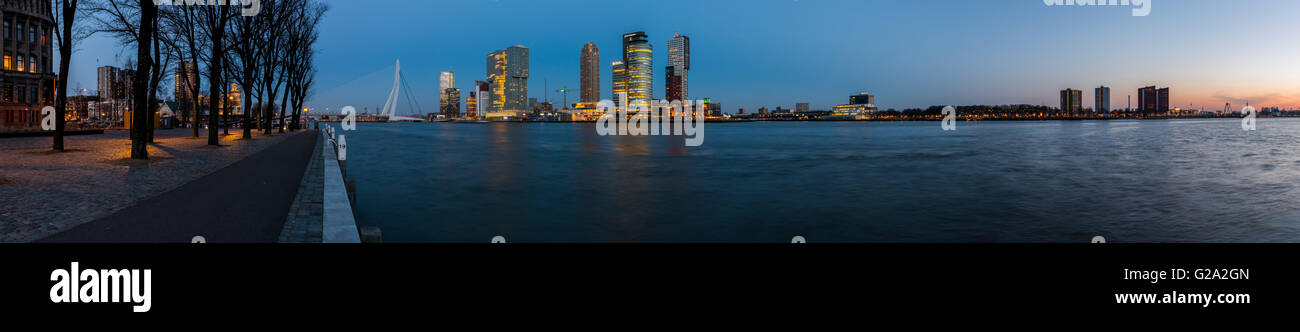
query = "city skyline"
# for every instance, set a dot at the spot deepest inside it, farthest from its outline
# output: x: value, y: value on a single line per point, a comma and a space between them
x: 956, y: 53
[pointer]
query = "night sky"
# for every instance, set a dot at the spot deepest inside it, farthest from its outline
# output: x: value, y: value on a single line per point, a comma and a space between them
x: 773, y: 53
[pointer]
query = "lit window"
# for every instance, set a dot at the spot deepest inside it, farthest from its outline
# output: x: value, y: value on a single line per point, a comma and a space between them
x: 9, y: 62
x: 31, y: 64
x: 21, y: 64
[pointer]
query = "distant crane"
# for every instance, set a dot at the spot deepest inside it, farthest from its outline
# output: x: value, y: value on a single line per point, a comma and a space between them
x: 564, y: 91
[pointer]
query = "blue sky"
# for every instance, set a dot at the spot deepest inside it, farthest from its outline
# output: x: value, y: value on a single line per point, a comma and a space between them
x: 768, y: 53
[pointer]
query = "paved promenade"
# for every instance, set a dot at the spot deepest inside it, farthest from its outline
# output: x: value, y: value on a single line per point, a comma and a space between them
x: 175, y: 193
x: 305, y: 223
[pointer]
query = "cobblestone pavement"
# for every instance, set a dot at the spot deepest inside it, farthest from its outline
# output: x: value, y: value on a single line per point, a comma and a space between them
x: 43, y: 193
x: 306, y: 216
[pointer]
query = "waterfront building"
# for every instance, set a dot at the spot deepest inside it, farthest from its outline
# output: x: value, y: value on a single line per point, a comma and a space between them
x: 589, y: 67
x: 508, y: 75
x: 618, y: 74
x: 446, y: 80
x: 862, y: 99
x: 1153, y: 101
x: 451, y: 103
x: 712, y: 108
x: 1101, y: 104
x: 679, y: 64
x: 802, y: 107
x: 861, y: 106
x: 516, y: 86
x: 471, y: 104
x: 1071, y: 101
x: 482, y: 99
x: 639, y: 60
x: 586, y: 111
x: 496, y: 78
x: 673, y: 84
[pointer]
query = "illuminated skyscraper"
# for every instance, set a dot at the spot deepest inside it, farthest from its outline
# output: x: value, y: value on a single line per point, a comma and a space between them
x: 679, y: 60
x: 496, y: 69
x: 451, y: 103
x: 639, y: 61
x: 589, y: 65
x: 471, y: 104
x: 446, y: 80
x: 619, y: 75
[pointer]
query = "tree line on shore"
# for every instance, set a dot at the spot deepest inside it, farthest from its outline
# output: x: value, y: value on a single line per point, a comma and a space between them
x: 268, y: 54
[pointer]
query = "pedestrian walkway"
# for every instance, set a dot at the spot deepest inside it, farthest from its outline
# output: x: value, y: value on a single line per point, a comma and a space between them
x: 247, y: 201
x: 305, y: 221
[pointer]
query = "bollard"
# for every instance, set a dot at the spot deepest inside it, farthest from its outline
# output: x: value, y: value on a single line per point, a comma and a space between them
x: 371, y: 234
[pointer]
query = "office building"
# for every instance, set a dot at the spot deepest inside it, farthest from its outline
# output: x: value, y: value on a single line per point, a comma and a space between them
x: 639, y: 62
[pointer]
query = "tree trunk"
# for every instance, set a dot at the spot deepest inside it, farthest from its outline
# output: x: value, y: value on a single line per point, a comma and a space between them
x: 139, y: 115
x: 214, y: 71
x: 65, y: 56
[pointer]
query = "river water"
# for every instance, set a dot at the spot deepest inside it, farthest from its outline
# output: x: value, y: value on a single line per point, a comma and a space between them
x: 1050, y: 181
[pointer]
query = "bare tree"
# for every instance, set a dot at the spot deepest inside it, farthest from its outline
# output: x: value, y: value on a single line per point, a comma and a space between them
x: 162, y: 59
x: 182, y: 22
x: 299, y: 63
x: 245, y: 32
x: 277, y: 19
x: 132, y: 22
x: 213, y: 21
x: 68, y: 34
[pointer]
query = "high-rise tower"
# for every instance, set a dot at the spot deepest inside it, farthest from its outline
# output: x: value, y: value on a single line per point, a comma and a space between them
x: 589, y: 65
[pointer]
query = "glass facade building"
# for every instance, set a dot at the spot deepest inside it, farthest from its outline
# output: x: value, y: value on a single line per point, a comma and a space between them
x: 639, y: 61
